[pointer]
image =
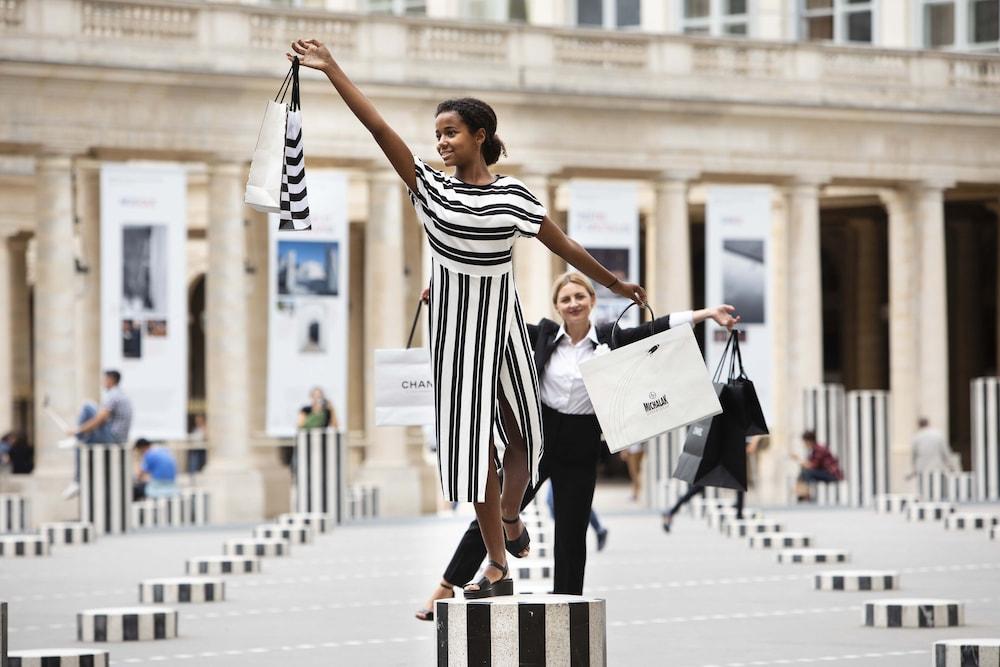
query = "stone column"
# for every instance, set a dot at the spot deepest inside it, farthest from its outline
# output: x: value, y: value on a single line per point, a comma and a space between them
x: 806, y: 289
x: 88, y: 205
x: 392, y: 461
x: 668, y: 268
x: 995, y: 207
x: 231, y: 476
x: 20, y: 319
x: 54, y: 330
x: 6, y: 339
x: 903, y: 321
x: 932, y: 342
x: 533, y: 261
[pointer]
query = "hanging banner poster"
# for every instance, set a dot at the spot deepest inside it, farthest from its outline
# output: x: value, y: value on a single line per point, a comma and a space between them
x: 144, y: 333
x: 604, y: 219
x: 738, y: 272
x: 307, y: 334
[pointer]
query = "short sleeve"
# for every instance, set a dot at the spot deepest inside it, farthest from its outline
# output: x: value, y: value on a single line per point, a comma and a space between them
x: 428, y: 179
x: 531, y: 211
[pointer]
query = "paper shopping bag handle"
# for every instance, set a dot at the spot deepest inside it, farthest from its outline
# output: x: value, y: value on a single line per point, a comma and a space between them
x: 293, y: 70
x: 614, y: 344
x: 413, y: 328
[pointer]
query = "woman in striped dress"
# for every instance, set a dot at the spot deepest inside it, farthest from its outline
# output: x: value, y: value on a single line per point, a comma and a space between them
x: 486, y: 388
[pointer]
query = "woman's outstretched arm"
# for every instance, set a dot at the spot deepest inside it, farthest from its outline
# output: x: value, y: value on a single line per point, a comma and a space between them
x: 313, y: 54
x: 575, y: 254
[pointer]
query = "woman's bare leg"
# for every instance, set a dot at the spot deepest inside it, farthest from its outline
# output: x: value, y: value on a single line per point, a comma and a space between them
x: 488, y: 514
x: 515, y: 474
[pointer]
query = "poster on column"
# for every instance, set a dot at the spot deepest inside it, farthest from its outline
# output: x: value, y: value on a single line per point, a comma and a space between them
x: 144, y: 333
x: 738, y: 272
x: 604, y: 219
x: 307, y: 324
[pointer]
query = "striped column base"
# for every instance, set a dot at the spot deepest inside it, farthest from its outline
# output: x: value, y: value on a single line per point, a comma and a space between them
x: 750, y: 527
x: 363, y: 502
x: 893, y: 503
x: 522, y: 630
x: 60, y: 657
x: 971, y: 521
x: 967, y: 653
x: 257, y: 547
x: 68, y: 532
x: 536, y: 524
x: 540, y: 550
x: 15, y: 513
x: 288, y: 533
x: 700, y: 507
x: 780, y: 541
x: 914, y: 613
x: 858, y: 580
x: 24, y: 546
x: 533, y: 569
x: 541, y: 536
x: 3, y: 634
x: 126, y: 624
x: 182, y: 589
x: 719, y: 517
x: 830, y: 494
x: 807, y: 556
x: 995, y: 533
x: 929, y: 511
x: 321, y: 523
x: 215, y: 565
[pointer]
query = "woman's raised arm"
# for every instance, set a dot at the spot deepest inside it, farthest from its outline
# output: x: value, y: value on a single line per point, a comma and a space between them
x: 315, y: 55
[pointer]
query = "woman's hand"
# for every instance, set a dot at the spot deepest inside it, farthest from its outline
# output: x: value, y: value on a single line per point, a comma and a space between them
x: 312, y: 54
x: 425, y: 295
x: 723, y: 316
x: 630, y: 291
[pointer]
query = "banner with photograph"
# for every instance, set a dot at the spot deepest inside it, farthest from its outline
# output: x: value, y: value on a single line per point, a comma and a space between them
x: 144, y: 307
x: 738, y: 272
x: 604, y: 219
x: 307, y: 334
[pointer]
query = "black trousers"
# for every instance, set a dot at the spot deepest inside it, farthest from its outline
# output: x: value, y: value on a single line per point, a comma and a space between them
x: 573, y: 448
x: 696, y: 490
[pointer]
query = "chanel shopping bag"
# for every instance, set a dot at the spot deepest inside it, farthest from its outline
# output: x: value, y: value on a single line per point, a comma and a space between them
x: 404, y: 384
x: 263, y: 191
x: 745, y: 393
x: 649, y: 387
x: 714, y: 451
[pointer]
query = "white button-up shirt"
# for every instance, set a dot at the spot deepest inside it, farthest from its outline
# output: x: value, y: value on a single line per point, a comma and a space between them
x: 562, y: 384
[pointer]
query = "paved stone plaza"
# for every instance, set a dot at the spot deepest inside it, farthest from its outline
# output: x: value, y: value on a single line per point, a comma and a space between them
x: 691, y: 599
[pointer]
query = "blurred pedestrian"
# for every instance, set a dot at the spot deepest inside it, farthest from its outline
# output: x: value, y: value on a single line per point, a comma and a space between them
x: 930, y: 450
x: 17, y: 452
x: 318, y: 413
x: 156, y: 471
x: 632, y: 456
x: 108, y: 423
x: 819, y: 466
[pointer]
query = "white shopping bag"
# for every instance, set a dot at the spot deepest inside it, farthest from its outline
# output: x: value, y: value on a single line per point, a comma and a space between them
x: 404, y: 387
x: 263, y: 191
x: 650, y: 387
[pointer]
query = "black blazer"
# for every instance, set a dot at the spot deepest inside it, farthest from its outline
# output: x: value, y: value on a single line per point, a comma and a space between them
x: 543, y: 337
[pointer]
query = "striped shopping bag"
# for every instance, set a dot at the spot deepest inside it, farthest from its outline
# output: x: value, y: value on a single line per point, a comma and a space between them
x: 294, y: 202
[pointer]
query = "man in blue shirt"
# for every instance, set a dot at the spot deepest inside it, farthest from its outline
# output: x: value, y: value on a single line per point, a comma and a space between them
x: 157, y: 473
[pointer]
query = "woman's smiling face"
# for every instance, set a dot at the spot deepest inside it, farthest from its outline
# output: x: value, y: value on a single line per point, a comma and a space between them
x: 455, y: 143
x: 574, y: 303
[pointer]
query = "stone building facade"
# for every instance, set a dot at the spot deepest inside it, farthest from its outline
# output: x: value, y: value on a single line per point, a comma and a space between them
x: 883, y: 156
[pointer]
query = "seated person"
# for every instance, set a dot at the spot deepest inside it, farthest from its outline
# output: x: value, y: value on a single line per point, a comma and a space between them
x: 17, y: 453
x: 820, y: 466
x: 156, y: 475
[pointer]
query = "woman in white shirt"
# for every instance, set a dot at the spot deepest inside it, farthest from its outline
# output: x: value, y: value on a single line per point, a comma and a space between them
x: 572, y: 435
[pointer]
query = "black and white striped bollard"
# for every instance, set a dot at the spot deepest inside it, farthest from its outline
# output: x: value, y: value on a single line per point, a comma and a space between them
x: 971, y: 521
x: 986, y: 436
x: 533, y: 569
x: 182, y: 589
x: 3, y: 634
x: 857, y: 580
x: 780, y: 541
x: 914, y: 613
x: 290, y: 533
x: 813, y: 556
x: 68, y: 532
x: 720, y: 516
x: 274, y: 548
x: 320, y: 522
x: 524, y: 630
x: 126, y: 624
x: 24, y: 546
x: 967, y: 652
x: 15, y: 513
x: 929, y: 511
x: 894, y: 503
x: 216, y: 565
x: 831, y: 494
x: 106, y: 487
x: 320, y: 473
x: 748, y: 527
x: 60, y: 657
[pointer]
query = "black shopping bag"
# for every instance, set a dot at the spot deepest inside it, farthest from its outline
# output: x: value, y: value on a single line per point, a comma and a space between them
x: 714, y: 451
x: 745, y: 394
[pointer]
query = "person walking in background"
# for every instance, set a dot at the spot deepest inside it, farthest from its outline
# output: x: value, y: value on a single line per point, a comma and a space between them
x: 930, y: 451
x: 820, y: 465
x: 108, y: 423
x: 319, y: 413
x: 632, y: 456
x: 572, y: 432
x: 156, y: 471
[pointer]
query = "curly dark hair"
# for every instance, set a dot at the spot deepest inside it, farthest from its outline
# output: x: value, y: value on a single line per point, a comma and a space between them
x: 477, y: 115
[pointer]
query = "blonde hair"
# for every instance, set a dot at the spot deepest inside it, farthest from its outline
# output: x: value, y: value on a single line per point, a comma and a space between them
x: 575, y: 278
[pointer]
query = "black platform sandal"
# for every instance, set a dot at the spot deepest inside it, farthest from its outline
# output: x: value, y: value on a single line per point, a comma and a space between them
x: 428, y: 614
x: 492, y: 589
x: 516, y: 546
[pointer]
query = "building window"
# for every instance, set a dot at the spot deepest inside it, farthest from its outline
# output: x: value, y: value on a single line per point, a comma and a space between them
x: 960, y: 24
x: 398, y: 7
x: 715, y: 17
x: 495, y: 10
x: 837, y: 20
x: 608, y: 14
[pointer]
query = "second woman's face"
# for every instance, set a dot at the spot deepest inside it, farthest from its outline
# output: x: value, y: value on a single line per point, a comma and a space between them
x: 456, y: 144
x: 574, y: 303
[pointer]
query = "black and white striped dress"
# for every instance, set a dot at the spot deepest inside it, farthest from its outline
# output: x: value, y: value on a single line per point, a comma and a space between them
x: 478, y: 339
